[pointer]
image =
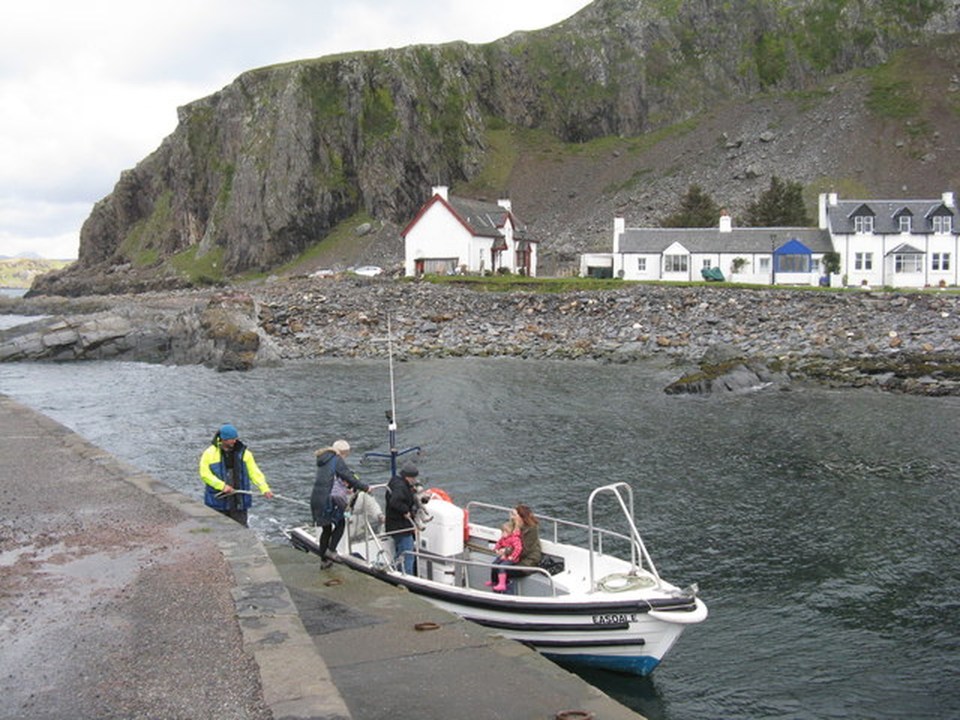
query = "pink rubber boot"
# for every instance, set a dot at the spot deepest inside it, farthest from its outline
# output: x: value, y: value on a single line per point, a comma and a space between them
x: 501, y: 582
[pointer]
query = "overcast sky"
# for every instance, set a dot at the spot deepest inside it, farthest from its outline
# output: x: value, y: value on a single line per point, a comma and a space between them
x: 88, y: 88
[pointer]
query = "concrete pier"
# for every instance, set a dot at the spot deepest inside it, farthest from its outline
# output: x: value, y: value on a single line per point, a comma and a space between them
x: 122, y: 598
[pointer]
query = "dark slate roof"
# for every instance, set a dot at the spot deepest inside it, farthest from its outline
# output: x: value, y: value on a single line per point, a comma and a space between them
x: 711, y: 240
x: 486, y: 218
x: 886, y: 214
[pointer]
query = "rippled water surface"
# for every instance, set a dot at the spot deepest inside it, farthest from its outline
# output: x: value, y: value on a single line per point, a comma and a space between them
x: 821, y: 526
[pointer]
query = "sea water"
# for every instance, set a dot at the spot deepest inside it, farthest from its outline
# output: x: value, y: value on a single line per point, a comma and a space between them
x: 820, y: 525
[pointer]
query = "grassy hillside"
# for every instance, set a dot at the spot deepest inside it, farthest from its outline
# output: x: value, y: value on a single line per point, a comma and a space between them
x: 20, y: 272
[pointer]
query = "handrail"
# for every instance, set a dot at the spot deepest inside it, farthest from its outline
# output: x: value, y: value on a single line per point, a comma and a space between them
x: 628, y: 513
x: 549, y: 519
x: 639, y: 557
x: 596, y: 535
x: 377, y: 539
x: 524, y: 569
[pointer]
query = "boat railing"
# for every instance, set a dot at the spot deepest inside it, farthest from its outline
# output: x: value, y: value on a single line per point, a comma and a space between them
x: 596, y: 536
x: 627, y: 507
x: 423, y: 558
x: 375, y: 541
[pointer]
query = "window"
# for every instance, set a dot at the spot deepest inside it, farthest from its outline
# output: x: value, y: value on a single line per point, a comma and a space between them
x: 706, y: 264
x: 906, y: 224
x: 642, y: 264
x: 908, y: 263
x: 943, y: 224
x: 764, y: 264
x: 674, y: 263
x: 793, y: 263
x: 863, y: 261
x: 941, y: 261
x: 863, y: 224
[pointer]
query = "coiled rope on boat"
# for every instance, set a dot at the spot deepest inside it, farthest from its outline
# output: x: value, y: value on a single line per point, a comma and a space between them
x: 621, y: 582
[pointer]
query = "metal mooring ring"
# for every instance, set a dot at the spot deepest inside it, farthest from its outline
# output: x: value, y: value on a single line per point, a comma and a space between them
x: 574, y: 715
x: 333, y: 581
x: 426, y: 626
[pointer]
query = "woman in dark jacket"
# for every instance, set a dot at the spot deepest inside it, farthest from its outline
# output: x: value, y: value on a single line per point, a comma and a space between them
x: 532, y: 553
x: 529, y: 534
x: 331, y: 491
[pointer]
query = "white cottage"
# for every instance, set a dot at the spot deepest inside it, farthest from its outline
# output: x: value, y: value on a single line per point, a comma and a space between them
x: 778, y: 256
x: 451, y: 234
x: 897, y: 243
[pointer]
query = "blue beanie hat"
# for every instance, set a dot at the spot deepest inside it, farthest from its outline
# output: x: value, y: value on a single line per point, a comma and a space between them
x: 228, y: 432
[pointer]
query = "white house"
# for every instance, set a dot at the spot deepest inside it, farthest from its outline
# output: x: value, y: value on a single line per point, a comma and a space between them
x: 898, y: 243
x: 451, y: 234
x: 781, y: 255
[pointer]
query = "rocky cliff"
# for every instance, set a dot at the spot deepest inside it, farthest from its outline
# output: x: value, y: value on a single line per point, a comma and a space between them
x: 617, y: 109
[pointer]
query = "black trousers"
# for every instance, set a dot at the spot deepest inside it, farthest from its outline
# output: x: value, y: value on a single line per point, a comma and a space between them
x: 331, y: 535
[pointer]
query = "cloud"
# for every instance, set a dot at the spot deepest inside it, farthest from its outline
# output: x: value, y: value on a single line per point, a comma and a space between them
x: 90, y: 88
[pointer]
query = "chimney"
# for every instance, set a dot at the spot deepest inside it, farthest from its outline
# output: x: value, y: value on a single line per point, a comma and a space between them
x: 949, y: 200
x: 619, y: 227
x: 505, y: 204
x: 726, y: 223
x: 825, y: 201
x: 440, y: 190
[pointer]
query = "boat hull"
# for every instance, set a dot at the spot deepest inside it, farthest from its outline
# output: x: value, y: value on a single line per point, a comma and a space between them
x: 621, y: 632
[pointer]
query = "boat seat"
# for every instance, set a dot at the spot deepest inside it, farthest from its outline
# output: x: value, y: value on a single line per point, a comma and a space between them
x: 553, y: 564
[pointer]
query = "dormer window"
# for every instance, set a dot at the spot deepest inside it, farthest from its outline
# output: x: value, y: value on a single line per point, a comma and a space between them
x: 906, y: 223
x: 942, y: 224
x: 863, y: 224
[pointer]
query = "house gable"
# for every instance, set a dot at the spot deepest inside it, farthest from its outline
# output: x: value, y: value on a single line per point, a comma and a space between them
x: 863, y: 210
x: 471, y: 235
x: 906, y: 249
x: 435, y: 200
x: 676, y: 248
x: 793, y: 247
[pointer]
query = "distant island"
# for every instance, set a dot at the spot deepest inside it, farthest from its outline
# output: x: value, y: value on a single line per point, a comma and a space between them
x: 20, y: 272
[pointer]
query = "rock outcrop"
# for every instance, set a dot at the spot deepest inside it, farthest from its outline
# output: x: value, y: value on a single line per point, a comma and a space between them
x: 719, y: 339
x: 221, y: 331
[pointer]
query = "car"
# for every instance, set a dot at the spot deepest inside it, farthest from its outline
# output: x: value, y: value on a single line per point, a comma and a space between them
x: 368, y: 270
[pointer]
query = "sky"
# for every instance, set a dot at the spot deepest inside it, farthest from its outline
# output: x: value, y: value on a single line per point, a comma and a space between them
x: 88, y: 88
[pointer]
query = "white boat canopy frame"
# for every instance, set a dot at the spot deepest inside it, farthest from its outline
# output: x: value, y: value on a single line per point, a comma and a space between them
x: 628, y: 512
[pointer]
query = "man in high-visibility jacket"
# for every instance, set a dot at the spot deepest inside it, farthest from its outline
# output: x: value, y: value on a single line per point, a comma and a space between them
x: 228, y: 468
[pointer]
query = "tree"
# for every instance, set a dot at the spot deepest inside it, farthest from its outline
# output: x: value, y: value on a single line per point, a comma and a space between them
x: 780, y: 205
x: 697, y: 209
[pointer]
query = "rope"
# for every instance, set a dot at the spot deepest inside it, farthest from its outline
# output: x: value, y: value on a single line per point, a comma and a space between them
x: 621, y: 582
x: 277, y: 496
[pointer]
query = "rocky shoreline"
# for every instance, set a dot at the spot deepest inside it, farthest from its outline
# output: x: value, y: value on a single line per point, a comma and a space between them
x: 720, y: 339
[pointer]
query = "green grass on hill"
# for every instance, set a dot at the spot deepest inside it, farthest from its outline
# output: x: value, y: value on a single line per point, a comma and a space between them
x: 20, y: 272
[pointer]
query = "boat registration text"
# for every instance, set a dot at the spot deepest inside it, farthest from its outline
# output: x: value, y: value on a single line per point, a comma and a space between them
x: 614, y: 619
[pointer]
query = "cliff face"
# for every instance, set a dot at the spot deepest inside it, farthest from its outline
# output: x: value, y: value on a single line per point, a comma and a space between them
x: 264, y: 169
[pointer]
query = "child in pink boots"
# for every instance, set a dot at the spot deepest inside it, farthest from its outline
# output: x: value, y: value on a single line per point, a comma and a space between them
x: 508, y: 549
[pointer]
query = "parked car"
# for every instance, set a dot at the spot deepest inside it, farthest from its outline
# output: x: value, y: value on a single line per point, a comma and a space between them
x: 368, y: 270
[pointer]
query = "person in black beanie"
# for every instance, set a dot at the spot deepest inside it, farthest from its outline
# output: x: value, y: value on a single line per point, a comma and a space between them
x: 402, y: 505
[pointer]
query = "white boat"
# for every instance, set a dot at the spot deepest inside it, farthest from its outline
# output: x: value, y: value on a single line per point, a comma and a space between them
x: 597, y: 598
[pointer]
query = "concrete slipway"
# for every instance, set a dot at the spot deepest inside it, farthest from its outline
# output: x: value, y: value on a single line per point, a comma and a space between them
x: 121, y: 598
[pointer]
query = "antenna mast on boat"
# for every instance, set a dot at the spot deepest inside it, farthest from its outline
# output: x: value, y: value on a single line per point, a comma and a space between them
x: 391, y: 415
x: 393, y: 393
